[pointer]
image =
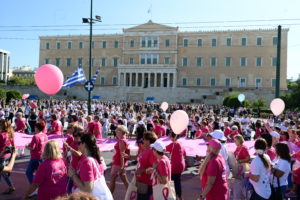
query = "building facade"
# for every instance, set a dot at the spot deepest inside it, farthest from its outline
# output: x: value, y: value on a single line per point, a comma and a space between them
x: 4, y: 65
x: 153, y: 55
x: 24, y: 72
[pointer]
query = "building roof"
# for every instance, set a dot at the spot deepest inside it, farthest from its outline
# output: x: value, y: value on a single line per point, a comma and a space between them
x: 150, y: 26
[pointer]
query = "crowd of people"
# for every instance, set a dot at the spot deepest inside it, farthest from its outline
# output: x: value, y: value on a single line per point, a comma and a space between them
x: 272, y: 172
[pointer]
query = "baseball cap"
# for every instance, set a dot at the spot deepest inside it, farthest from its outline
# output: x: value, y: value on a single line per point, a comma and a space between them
x: 215, y: 144
x: 218, y: 134
x: 158, y: 146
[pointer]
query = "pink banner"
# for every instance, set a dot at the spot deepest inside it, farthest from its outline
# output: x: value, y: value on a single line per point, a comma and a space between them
x: 192, y: 147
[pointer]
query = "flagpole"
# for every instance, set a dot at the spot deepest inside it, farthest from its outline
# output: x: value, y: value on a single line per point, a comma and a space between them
x: 90, y: 58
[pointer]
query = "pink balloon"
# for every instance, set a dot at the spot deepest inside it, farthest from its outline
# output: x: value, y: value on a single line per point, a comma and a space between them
x: 49, y: 79
x: 277, y: 106
x: 25, y: 96
x: 164, y: 106
x: 33, y: 105
x: 179, y: 121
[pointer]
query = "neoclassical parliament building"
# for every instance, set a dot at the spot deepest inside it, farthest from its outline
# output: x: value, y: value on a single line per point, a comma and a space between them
x: 161, y: 62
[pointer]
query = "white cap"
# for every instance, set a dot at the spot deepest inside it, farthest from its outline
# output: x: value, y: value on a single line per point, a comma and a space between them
x: 218, y: 134
x: 275, y: 134
x: 158, y: 146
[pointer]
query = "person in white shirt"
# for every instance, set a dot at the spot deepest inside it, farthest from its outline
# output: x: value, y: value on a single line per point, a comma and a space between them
x: 281, y: 169
x: 259, y: 172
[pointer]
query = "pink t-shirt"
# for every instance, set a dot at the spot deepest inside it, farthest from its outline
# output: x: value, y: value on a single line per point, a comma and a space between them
x: 198, y: 133
x: 227, y: 131
x: 74, y: 158
x: 20, y: 126
x: 97, y: 130
x: 177, y: 157
x: 37, y: 144
x: 56, y: 127
x: 52, y: 178
x: 241, y: 152
x: 117, y: 155
x: 271, y: 153
x: 5, y: 142
x: 69, y: 141
x: 163, y: 168
x: 145, y: 159
x: 216, y: 167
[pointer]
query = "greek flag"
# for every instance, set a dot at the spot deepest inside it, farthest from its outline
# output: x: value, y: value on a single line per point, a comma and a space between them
x: 95, y: 75
x: 76, y: 77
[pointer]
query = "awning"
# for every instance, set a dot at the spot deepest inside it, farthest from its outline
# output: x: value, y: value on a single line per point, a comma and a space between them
x: 33, y: 97
x: 96, y: 97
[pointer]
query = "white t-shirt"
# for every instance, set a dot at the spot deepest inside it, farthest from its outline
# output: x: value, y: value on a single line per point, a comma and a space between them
x: 262, y: 187
x: 284, y: 166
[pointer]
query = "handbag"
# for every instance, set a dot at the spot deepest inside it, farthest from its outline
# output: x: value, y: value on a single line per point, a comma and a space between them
x: 164, y: 192
x: 100, y: 189
x: 276, y: 192
x: 131, y: 193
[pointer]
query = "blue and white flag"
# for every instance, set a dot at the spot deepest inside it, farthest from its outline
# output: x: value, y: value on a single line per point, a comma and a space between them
x: 95, y: 75
x: 76, y: 77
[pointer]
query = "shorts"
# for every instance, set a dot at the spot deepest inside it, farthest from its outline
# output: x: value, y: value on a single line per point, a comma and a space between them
x: 116, y: 170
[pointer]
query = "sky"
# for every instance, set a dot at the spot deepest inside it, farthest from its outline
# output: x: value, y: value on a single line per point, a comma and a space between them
x: 22, y: 22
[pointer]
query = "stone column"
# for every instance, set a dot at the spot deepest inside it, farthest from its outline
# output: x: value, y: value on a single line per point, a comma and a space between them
x: 143, y: 80
x: 162, y: 80
x: 168, y: 80
x: 130, y: 79
x: 136, y: 79
x: 119, y: 79
x: 125, y: 79
x: 174, y: 80
x: 149, y: 76
x: 155, y: 79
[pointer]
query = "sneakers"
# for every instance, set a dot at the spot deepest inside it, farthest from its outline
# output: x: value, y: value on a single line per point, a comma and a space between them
x: 33, y: 194
x: 291, y: 194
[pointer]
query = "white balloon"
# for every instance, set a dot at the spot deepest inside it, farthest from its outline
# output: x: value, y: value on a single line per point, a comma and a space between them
x: 164, y: 106
x: 241, y: 97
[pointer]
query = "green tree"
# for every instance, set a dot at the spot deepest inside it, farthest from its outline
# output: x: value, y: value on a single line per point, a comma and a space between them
x: 231, y: 100
x: 291, y: 100
x: 13, y: 94
x: 21, y: 81
x: 2, y: 94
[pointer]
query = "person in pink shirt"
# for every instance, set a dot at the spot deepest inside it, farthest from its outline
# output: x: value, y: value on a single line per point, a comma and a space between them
x: 233, y: 133
x: 213, y: 174
x: 163, y: 130
x: 271, y: 152
x: 20, y: 125
x: 51, y: 176
x: 36, y: 147
x: 156, y: 128
x: 119, y: 162
x: 97, y: 127
x: 227, y: 129
x: 90, y: 168
x: 6, y: 140
x: 198, y: 134
x: 42, y: 120
x: 177, y: 155
x: 56, y: 126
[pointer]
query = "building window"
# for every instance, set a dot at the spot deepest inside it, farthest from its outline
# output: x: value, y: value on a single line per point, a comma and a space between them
x: 47, y: 61
x: 228, y: 61
x: 199, y: 42
x: 149, y: 44
x: 258, y: 61
x: 214, y: 42
x: 102, y: 80
x: 114, y: 80
x: 143, y: 41
x: 184, y: 61
x: 143, y: 59
x: 93, y: 44
x: 155, y: 58
x: 227, y: 82
x: 149, y: 59
x: 198, y: 82
x: 69, y: 44
x: 212, y: 82
x: 155, y: 42
x: 213, y: 62
x: 242, y: 82
x: 131, y: 43
x: 131, y: 61
x: 184, y: 82
x: 69, y: 62
x: 57, y: 45
x: 167, y: 43
x: 199, y: 62
x: 47, y: 45
x: 244, y: 41
x: 243, y: 61
x: 185, y: 42
x: 57, y: 62
x: 273, y: 84
x: 258, y: 82
x: 167, y: 60
x: 228, y: 42
x: 103, y: 62
x: 116, y: 45
x: 275, y: 41
x: 115, y: 62
x: 259, y: 41
x: 274, y: 61
x: 80, y: 45
x: 79, y: 61
x: 103, y: 44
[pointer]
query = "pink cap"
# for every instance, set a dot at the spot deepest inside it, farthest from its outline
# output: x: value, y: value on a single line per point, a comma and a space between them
x: 215, y: 144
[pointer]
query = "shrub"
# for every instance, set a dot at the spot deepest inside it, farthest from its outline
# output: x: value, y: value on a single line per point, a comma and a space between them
x: 13, y: 94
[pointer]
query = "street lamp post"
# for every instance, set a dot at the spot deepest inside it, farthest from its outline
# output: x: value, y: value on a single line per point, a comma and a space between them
x: 90, y: 21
